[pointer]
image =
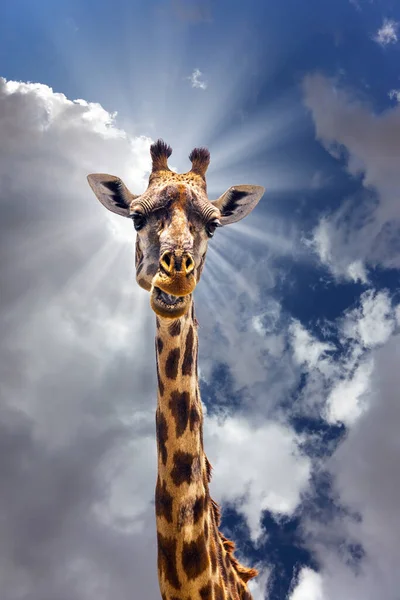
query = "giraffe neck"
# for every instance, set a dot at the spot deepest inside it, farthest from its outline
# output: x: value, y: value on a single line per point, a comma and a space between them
x: 194, y: 559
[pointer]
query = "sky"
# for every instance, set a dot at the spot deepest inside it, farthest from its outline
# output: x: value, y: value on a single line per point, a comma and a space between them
x: 299, y: 304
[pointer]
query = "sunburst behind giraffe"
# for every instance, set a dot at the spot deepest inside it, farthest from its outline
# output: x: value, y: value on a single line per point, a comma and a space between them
x: 175, y: 220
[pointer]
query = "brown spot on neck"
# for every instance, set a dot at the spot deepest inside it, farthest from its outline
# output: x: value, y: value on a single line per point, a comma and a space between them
x: 206, y: 591
x: 160, y: 382
x: 163, y: 501
x: 167, y: 560
x: 172, y: 362
x: 188, y: 358
x: 186, y: 468
x: 162, y: 435
x: 194, y: 557
x: 179, y: 406
x: 175, y: 328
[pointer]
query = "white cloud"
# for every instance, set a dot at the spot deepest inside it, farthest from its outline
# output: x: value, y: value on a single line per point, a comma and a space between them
x: 270, y: 472
x: 258, y: 586
x: 356, y: 545
x: 309, y: 586
x: 267, y: 321
x: 365, y: 230
x: 369, y: 325
x: 357, y: 272
x: 387, y: 34
x: 373, y: 323
x: 323, y: 243
x: 337, y: 384
x: 195, y: 79
x: 71, y: 321
x: 365, y: 475
x: 307, y: 350
x: 394, y: 95
x: 345, y: 402
x: 130, y: 486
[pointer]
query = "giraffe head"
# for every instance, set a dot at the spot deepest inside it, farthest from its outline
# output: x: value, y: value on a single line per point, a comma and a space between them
x: 174, y: 220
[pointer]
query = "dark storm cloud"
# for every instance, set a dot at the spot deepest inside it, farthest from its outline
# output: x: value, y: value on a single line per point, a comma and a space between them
x: 70, y: 528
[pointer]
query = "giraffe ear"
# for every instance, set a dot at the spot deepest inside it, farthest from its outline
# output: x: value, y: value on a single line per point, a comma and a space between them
x: 237, y: 202
x: 112, y: 192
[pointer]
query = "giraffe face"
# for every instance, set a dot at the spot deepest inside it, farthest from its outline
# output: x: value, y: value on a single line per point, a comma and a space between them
x: 174, y: 220
x: 171, y: 244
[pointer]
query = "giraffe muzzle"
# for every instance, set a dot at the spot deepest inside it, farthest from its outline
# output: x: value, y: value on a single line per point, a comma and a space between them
x: 173, y: 284
x: 176, y: 273
x: 177, y: 261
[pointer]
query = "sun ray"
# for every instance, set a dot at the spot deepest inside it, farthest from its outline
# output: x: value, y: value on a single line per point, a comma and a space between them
x: 228, y: 271
x: 274, y: 234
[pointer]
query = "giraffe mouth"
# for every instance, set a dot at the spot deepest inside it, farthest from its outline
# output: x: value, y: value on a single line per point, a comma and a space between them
x: 168, y: 305
x: 168, y: 299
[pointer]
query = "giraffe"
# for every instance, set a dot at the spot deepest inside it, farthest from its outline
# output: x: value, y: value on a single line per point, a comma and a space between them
x: 174, y: 220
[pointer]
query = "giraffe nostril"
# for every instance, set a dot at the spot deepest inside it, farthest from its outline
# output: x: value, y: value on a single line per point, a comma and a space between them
x: 167, y: 259
x: 172, y: 263
x: 166, y: 262
x: 188, y: 264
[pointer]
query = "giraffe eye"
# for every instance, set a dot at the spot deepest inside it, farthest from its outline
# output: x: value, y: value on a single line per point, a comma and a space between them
x: 139, y: 220
x: 212, y: 226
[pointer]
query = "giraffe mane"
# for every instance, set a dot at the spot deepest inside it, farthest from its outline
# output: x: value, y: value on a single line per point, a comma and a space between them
x: 245, y: 573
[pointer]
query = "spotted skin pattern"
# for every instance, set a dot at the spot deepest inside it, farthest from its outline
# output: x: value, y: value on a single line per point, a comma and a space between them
x: 175, y: 219
x: 203, y: 566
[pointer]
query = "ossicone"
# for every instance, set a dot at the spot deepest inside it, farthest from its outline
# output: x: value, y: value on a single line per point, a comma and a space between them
x: 200, y: 159
x: 160, y: 152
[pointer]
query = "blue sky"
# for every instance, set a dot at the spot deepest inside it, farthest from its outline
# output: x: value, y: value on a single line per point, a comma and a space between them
x: 299, y: 306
